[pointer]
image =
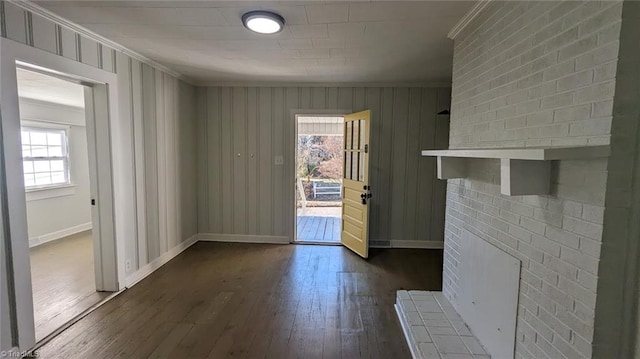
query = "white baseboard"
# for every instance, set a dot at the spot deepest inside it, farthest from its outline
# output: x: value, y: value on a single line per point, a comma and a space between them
x: 151, y: 267
x: 36, y: 241
x: 396, y: 243
x: 242, y: 238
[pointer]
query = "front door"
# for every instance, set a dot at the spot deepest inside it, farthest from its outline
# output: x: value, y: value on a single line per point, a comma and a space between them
x: 356, y: 193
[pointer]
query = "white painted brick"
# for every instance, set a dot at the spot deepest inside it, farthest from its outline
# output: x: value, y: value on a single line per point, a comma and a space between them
x: 546, y: 245
x: 537, y: 74
x: 557, y: 101
x: 579, y: 260
x: 587, y: 280
x: 533, y: 225
x: 579, y: 47
x: 593, y: 214
x: 575, y: 80
x: 590, y: 247
x: 563, y: 237
x: 583, y: 228
x: 580, y: 327
x: 575, y: 113
x: 560, y: 266
x: 557, y: 326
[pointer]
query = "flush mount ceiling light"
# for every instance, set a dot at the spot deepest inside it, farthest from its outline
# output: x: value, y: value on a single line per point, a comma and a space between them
x: 263, y: 22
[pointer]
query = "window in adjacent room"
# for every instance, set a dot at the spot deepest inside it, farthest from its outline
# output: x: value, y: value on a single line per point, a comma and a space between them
x: 45, y: 156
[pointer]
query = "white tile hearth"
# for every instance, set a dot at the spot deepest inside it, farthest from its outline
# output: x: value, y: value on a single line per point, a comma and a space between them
x: 433, y: 328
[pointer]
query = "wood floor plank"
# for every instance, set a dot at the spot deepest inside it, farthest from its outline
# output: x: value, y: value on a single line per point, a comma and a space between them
x: 220, y: 300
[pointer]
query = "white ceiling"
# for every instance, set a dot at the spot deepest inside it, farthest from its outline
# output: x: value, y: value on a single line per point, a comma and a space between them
x: 323, y: 41
x: 36, y: 86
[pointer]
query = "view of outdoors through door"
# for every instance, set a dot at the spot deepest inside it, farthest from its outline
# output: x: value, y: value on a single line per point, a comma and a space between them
x: 319, y: 166
x: 57, y: 186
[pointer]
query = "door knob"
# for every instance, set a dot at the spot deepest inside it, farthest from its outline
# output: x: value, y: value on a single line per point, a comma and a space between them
x: 364, y: 197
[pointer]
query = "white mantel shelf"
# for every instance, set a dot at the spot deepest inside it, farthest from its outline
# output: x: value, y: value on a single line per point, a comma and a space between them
x: 523, y: 171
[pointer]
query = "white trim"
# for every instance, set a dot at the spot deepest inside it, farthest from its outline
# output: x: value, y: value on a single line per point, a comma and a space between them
x: 40, y: 193
x: 242, y: 238
x: 151, y: 267
x: 36, y: 241
x: 320, y: 84
x: 399, y: 243
x: 404, y: 324
x: 37, y: 102
x: 38, y: 10
x: 467, y: 18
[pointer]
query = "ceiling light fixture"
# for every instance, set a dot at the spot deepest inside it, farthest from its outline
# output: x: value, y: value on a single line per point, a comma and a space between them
x: 263, y: 22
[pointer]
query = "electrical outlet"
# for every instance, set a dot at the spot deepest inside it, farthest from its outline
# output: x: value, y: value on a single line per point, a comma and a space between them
x: 279, y: 160
x: 127, y: 265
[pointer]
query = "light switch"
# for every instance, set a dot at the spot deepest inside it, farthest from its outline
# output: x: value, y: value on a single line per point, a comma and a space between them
x: 279, y: 160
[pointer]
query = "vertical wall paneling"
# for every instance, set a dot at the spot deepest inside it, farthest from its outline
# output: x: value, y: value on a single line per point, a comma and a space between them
x: 68, y: 44
x: 203, y: 168
x: 426, y: 165
x: 15, y: 22
x: 318, y: 97
x: 89, y: 51
x: 277, y: 139
x: 256, y: 196
x: 265, y: 121
x: 398, y: 160
x: 107, y: 56
x: 384, y: 161
x: 345, y: 98
x: 227, y: 154
x: 214, y: 161
x: 291, y: 100
x: 161, y: 160
x: 124, y: 115
x: 150, y: 160
x: 167, y: 151
x: 252, y: 141
x: 411, y: 163
x: 44, y: 34
x: 240, y: 155
x: 139, y: 160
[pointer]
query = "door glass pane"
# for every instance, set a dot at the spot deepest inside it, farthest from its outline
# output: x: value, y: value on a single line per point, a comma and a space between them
x: 354, y: 166
x: 348, y: 141
x: 347, y: 164
x: 362, y: 134
x: 361, y: 173
x: 356, y: 135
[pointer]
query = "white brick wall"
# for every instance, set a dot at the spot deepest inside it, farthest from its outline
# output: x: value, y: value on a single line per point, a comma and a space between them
x: 537, y: 74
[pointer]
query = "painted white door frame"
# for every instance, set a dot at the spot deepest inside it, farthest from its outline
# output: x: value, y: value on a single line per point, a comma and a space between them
x: 111, y: 266
x: 290, y: 168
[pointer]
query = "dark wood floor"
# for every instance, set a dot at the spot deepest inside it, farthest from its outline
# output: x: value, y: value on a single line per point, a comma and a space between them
x: 220, y: 300
x: 63, y: 281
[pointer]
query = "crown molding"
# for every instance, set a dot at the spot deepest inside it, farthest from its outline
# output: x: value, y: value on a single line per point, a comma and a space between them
x: 321, y: 84
x: 49, y: 15
x: 467, y: 18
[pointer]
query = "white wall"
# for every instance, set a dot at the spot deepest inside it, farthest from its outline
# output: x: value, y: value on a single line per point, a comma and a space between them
x: 56, y: 213
x: 241, y: 195
x: 537, y: 74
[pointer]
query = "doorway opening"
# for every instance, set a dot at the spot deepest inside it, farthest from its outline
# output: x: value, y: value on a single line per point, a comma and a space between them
x: 319, y: 168
x: 55, y: 136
